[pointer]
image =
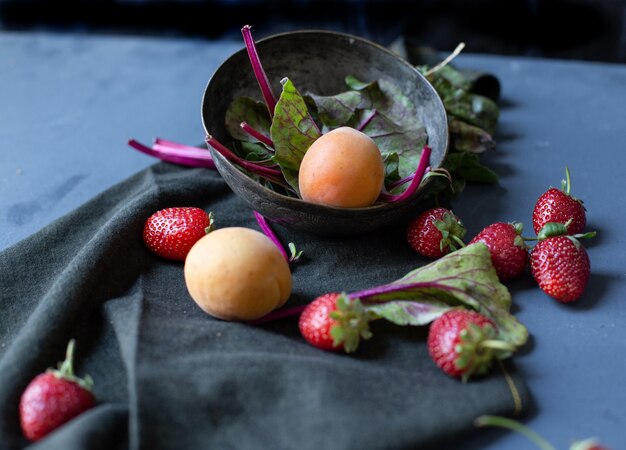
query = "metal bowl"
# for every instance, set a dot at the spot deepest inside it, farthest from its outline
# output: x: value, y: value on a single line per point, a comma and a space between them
x: 319, y: 61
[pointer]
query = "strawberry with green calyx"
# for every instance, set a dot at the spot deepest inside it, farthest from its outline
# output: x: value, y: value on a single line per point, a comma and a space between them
x: 53, y: 398
x: 465, y: 277
x: 536, y: 438
x: 560, y: 206
x: 509, y: 254
x: 435, y: 233
x: 334, y: 322
x: 171, y: 232
x: 463, y: 343
x: 559, y: 263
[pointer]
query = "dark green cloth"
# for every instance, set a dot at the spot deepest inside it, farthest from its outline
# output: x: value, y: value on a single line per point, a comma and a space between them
x: 168, y: 376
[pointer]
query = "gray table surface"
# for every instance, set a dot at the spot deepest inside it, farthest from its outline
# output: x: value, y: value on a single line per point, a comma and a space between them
x: 68, y: 104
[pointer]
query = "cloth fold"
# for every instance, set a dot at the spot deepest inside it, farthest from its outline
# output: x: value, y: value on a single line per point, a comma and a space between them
x: 168, y: 376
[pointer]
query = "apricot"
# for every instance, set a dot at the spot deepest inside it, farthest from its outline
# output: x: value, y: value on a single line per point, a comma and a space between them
x: 342, y: 168
x: 237, y: 274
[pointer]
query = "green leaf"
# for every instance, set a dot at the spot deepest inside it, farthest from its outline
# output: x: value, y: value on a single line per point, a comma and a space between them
x: 465, y: 277
x: 406, y: 312
x: 253, y: 151
x: 468, y: 166
x: 246, y: 109
x: 393, y: 127
x: 391, y: 162
x: 292, y: 131
x: 469, y: 138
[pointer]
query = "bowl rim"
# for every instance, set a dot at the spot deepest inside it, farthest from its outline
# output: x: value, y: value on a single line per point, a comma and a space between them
x: 298, y: 201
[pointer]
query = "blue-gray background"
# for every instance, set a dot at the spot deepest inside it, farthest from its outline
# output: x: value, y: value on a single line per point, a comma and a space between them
x: 69, y: 102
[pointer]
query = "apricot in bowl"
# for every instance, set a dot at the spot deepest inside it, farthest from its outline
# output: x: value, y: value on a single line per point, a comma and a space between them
x: 343, y: 168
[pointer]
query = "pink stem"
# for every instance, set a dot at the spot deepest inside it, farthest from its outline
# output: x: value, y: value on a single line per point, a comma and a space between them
x: 270, y: 233
x: 250, y: 167
x: 165, y: 142
x: 257, y: 67
x: 404, y: 180
x: 193, y: 158
x: 257, y: 134
x: 417, y: 179
x: 367, y: 120
x: 280, y: 314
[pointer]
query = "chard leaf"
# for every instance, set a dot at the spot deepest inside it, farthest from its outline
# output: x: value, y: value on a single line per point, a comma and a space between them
x: 246, y: 109
x: 390, y: 137
x: 468, y: 166
x: 393, y: 126
x: 465, y: 277
x: 469, y: 138
x: 406, y: 312
x: 391, y: 162
x: 292, y: 131
x: 250, y: 151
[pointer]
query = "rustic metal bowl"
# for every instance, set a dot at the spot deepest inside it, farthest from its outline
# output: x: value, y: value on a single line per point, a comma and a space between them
x: 319, y: 61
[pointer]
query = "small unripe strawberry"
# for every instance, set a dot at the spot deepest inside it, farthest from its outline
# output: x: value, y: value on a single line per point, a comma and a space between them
x: 435, y: 233
x: 506, y: 247
x: 171, y: 232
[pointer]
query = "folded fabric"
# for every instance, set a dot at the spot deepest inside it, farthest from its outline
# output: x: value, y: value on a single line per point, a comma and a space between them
x: 168, y: 376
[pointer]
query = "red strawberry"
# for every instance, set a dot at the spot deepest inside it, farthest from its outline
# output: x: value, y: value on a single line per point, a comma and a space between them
x: 560, y: 206
x: 559, y: 263
x: 53, y: 398
x: 435, y: 233
x: 171, y: 232
x: 463, y: 343
x: 334, y: 322
x: 507, y: 248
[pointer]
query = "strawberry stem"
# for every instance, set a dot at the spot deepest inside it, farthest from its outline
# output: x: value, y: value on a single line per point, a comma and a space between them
x: 566, y: 185
x: 257, y: 67
x: 495, y: 344
x: 65, y: 369
x: 513, y: 425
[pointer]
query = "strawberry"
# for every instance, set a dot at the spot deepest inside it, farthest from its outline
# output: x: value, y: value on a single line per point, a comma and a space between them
x: 435, y: 233
x: 507, y: 248
x: 463, y: 343
x: 334, y: 322
x: 532, y: 435
x: 560, y: 206
x: 171, y: 232
x: 53, y: 398
x: 559, y: 263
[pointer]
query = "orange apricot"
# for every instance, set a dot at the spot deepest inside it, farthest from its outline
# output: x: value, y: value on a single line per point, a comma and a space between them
x: 342, y: 168
x: 237, y: 273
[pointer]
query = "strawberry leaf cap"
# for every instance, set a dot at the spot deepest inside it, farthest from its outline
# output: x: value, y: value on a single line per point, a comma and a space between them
x: 477, y: 347
x: 352, y: 323
x: 552, y: 229
x: 211, y: 225
x: 452, y: 232
x: 65, y: 369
